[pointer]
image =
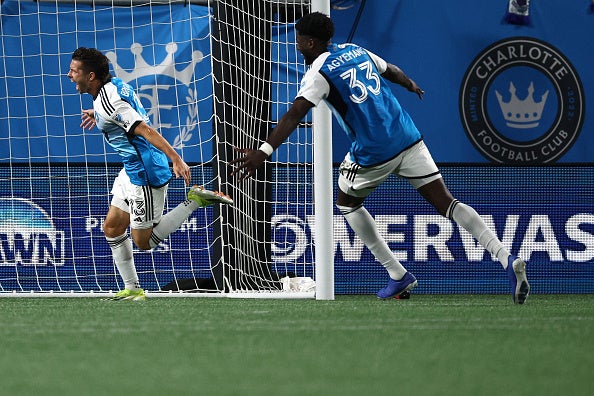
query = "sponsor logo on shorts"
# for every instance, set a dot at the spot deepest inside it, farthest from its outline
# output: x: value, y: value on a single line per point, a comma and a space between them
x: 522, y: 102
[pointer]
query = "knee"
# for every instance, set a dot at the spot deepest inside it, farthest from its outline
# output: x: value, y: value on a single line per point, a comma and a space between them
x: 113, y: 229
x: 348, y: 204
x: 141, y: 241
x: 142, y: 238
x: 142, y: 244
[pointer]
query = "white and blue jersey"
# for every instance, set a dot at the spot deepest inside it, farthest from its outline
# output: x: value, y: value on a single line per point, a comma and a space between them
x: 117, y: 112
x: 348, y: 78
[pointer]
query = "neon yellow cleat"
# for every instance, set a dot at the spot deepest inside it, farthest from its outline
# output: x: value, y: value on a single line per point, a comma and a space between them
x: 206, y: 197
x: 127, y: 294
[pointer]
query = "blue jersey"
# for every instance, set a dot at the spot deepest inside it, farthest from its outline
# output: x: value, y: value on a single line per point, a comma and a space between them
x: 117, y: 112
x: 348, y: 78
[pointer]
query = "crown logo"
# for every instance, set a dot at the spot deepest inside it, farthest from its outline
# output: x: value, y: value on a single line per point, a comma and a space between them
x: 166, y: 68
x: 522, y: 114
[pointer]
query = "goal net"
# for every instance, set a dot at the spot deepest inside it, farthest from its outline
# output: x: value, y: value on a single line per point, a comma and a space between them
x: 213, y: 75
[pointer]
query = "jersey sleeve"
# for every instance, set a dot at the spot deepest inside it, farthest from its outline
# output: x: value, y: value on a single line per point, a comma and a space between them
x: 119, y: 111
x: 380, y: 63
x: 314, y: 87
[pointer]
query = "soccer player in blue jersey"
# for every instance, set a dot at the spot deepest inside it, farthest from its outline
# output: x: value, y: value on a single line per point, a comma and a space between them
x: 140, y: 189
x: 385, y: 141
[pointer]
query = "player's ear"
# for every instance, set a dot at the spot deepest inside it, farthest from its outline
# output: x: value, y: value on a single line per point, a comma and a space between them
x: 91, y: 76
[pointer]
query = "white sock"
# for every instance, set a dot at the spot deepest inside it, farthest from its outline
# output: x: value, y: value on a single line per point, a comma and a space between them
x: 468, y: 218
x: 121, y: 250
x: 171, y: 221
x: 364, y: 226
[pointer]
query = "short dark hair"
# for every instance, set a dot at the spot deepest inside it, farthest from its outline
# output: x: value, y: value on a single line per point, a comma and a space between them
x: 94, y: 61
x: 316, y: 25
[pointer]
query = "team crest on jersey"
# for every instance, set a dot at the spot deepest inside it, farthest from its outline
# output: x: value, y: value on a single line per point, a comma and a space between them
x: 169, y: 104
x: 522, y: 102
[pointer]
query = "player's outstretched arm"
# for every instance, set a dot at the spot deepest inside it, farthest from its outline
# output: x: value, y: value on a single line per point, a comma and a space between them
x: 246, y: 165
x: 394, y: 74
x: 180, y: 168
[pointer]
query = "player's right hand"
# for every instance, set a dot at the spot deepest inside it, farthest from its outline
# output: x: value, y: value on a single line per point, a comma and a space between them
x: 181, y: 169
x: 246, y: 165
x: 88, y: 119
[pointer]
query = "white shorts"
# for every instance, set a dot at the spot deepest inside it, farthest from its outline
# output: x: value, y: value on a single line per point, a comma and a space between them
x: 414, y: 164
x: 144, y: 203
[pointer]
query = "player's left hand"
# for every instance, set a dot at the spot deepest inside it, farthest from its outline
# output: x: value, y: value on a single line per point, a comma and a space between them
x: 416, y: 89
x: 420, y: 93
x: 246, y: 165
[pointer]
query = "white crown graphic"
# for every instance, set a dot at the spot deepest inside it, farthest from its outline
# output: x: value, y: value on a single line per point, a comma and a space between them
x: 525, y: 113
x: 166, y: 68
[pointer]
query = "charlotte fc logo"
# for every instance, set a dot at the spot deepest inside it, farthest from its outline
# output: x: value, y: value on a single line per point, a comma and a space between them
x: 154, y: 85
x: 522, y: 113
x: 165, y: 68
x: 522, y: 102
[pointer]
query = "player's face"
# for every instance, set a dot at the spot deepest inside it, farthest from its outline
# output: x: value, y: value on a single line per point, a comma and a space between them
x: 305, y: 45
x: 79, y: 76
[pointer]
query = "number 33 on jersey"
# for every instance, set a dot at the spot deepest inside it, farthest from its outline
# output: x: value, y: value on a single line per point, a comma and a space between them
x: 348, y: 78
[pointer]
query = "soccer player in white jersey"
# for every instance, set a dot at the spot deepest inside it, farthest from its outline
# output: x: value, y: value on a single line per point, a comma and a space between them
x: 140, y: 189
x: 385, y: 140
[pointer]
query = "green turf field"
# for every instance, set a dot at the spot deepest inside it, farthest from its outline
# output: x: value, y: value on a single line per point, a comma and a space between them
x: 355, y: 345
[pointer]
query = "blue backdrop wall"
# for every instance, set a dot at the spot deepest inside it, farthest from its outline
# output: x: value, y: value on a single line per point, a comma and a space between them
x: 463, y: 54
x: 38, y: 103
x: 505, y: 114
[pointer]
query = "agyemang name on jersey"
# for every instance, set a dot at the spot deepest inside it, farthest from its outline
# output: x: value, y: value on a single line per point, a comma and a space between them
x: 348, y: 78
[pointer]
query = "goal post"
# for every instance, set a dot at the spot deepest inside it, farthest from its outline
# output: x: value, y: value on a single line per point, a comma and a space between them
x: 213, y: 75
x: 323, y: 192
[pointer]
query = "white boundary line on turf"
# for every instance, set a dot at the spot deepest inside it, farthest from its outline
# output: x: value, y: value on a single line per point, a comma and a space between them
x: 168, y: 294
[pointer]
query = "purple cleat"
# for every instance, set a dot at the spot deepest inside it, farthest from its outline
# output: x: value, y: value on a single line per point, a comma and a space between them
x: 396, y: 287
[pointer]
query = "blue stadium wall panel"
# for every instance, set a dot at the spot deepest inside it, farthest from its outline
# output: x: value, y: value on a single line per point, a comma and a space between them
x: 51, y: 234
x: 543, y: 214
x: 464, y: 54
x: 51, y: 225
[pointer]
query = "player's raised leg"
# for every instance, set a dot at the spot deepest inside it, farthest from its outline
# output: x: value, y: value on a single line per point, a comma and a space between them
x: 172, y: 220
